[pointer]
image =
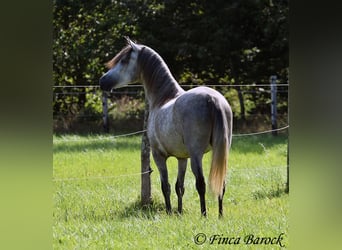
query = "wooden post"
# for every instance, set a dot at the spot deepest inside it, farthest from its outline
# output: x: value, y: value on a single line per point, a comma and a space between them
x: 273, y: 82
x: 287, y: 189
x: 105, y: 112
x: 145, y: 163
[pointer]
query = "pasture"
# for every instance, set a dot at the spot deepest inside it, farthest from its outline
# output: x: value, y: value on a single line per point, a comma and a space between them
x: 96, y: 197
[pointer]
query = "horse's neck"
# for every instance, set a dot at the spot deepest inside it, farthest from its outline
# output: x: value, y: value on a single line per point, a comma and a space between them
x: 159, y: 84
x: 161, y: 91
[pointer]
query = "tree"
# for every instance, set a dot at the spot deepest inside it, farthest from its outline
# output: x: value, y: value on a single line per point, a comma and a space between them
x: 203, y: 42
x: 85, y: 35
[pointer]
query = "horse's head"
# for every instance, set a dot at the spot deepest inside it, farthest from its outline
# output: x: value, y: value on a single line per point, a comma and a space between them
x: 123, y: 69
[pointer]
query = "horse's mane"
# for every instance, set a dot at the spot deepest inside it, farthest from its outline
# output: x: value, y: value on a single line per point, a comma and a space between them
x: 125, y: 51
x: 157, y: 77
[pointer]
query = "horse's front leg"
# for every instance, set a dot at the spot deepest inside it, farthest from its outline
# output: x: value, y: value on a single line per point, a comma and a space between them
x: 180, y: 182
x: 160, y: 161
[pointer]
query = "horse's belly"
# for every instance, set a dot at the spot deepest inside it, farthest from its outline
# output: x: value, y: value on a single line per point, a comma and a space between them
x: 170, y: 143
x: 176, y: 148
x: 182, y: 152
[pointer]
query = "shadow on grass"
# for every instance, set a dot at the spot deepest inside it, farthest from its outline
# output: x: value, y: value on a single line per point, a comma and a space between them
x: 240, y: 144
x: 85, y: 145
x: 136, y: 209
x: 257, y: 143
x: 270, y: 194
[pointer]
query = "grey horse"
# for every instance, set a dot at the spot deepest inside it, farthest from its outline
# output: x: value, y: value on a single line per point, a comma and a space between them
x: 183, y: 124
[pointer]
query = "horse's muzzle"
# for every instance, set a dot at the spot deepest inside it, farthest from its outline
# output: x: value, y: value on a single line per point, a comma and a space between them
x: 106, y: 83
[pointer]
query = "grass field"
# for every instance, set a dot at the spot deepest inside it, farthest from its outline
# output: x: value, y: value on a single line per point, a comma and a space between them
x: 97, y: 193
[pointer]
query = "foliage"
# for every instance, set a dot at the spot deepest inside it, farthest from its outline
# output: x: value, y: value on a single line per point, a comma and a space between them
x: 85, y: 32
x: 104, y: 213
x: 127, y: 107
x: 204, y: 42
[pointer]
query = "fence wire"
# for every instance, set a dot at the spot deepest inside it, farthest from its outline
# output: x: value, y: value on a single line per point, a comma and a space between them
x: 150, y: 171
x: 182, y: 85
x: 231, y: 170
x: 142, y: 131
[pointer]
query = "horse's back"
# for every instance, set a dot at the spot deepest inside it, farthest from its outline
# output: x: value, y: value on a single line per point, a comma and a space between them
x: 198, y: 103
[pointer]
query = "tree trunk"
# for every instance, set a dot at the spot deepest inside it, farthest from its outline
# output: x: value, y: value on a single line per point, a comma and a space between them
x: 242, y: 103
x: 238, y: 88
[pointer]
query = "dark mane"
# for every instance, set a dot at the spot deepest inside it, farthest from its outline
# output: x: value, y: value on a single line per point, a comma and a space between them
x: 157, y: 77
x: 119, y: 56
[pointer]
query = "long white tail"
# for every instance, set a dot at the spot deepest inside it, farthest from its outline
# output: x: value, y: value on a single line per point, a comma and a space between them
x: 220, y: 148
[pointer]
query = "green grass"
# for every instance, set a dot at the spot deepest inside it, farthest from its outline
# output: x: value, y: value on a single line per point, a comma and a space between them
x: 97, y: 193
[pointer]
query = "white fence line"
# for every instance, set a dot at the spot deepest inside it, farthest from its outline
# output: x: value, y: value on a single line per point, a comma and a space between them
x: 263, y: 132
x: 182, y: 85
x: 232, y: 170
x: 100, y: 177
x: 102, y: 138
x: 150, y: 171
x: 142, y: 131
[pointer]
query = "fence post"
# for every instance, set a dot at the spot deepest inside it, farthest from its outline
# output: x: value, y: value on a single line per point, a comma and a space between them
x: 273, y: 82
x: 287, y: 189
x: 105, y: 112
x: 145, y: 163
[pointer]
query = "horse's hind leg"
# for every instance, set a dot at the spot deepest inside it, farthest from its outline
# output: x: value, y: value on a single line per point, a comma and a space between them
x: 220, y: 199
x: 180, y: 182
x: 196, y: 167
x: 164, y: 179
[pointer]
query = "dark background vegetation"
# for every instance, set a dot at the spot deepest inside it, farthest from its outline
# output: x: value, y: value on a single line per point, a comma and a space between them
x: 228, y: 44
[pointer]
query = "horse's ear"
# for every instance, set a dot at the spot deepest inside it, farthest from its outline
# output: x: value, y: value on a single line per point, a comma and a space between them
x: 127, y: 39
x: 131, y: 43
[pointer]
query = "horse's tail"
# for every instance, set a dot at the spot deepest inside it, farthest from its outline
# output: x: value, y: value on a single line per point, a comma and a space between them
x: 221, y: 136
